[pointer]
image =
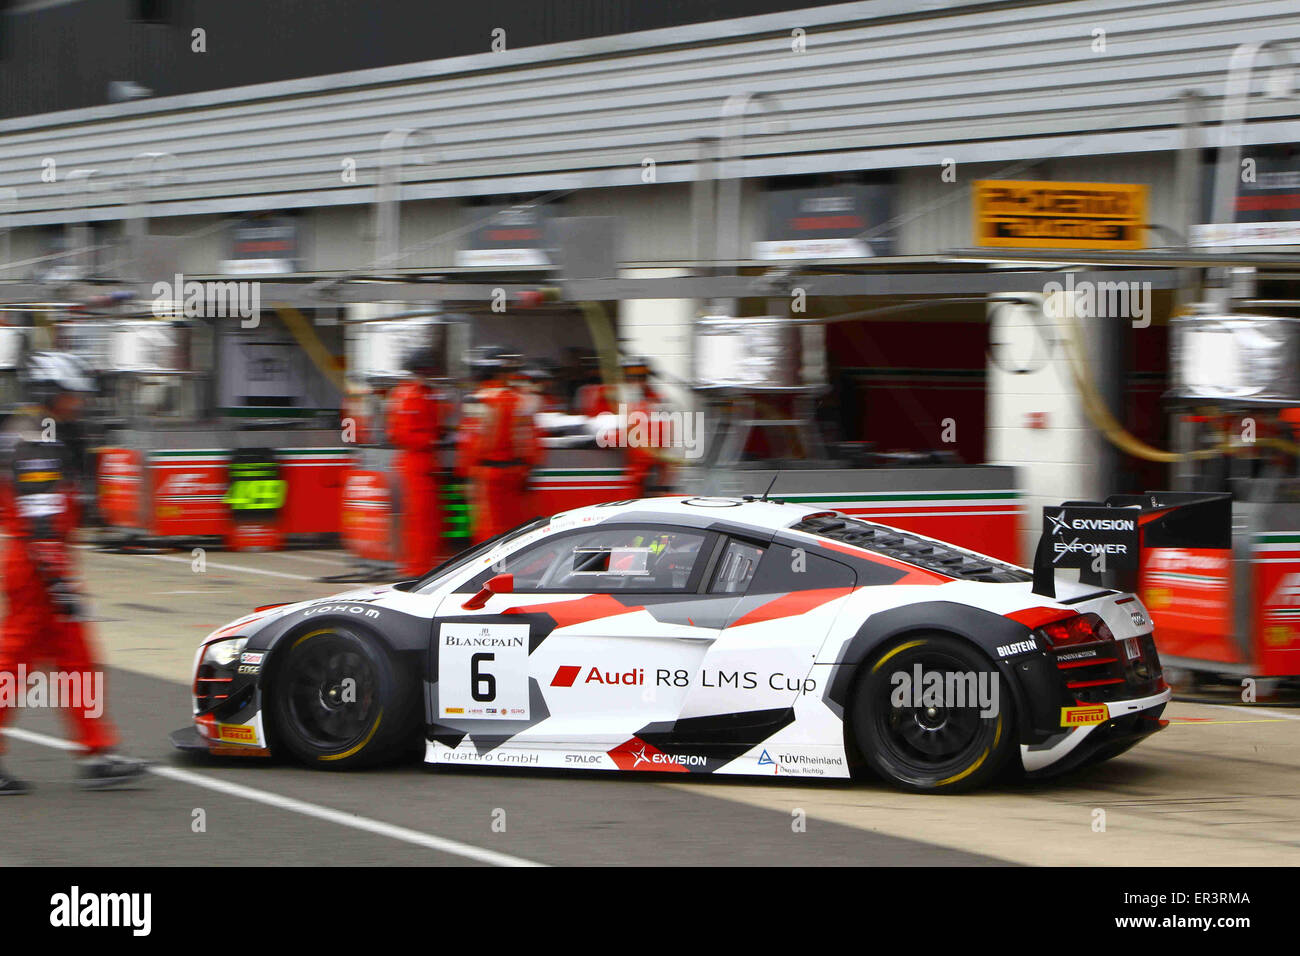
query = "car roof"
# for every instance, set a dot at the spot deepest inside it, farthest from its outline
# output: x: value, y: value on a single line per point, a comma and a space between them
x: 773, y: 516
x: 695, y: 511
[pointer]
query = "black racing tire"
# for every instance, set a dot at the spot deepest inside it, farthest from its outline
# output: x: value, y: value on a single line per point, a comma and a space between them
x: 328, y: 724
x: 930, y: 749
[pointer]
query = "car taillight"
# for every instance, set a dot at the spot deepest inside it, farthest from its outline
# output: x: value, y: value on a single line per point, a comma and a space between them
x: 1080, y: 629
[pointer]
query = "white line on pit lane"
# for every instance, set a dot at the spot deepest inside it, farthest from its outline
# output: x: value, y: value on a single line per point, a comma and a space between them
x: 340, y: 562
x: 1265, y: 710
x: 228, y: 567
x: 441, y: 844
x: 178, y: 559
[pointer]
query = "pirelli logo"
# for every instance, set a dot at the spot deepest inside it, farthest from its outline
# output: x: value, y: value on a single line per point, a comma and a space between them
x: 1084, y: 716
x: 1051, y: 215
x: 40, y: 476
x: 239, y: 733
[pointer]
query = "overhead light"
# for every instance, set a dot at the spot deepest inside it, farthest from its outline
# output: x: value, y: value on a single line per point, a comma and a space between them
x: 121, y: 91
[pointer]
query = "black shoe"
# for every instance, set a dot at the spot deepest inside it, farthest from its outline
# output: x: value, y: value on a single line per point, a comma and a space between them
x: 110, y: 771
x: 9, y: 786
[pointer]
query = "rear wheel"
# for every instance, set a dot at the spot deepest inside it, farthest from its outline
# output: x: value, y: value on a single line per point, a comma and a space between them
x: 338, y: 701
x: 929, y: 714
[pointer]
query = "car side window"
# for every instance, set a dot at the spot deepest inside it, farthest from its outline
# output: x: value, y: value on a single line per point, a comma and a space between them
x: 603, y: 561
x: 786, y: 569
x: 739, y: 562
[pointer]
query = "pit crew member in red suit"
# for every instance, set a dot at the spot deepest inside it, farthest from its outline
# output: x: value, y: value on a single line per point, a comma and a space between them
x: 44, y: 616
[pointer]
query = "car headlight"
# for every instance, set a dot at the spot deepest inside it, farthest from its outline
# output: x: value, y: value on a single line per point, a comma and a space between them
x: 224, y: 653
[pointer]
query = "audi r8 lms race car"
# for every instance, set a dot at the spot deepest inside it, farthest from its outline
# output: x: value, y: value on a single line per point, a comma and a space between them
x: 695, y: 635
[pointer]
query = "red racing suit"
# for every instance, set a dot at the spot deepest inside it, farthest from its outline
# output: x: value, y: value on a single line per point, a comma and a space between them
x: 414, y: 425
x: 38, y: 514
x: 497, y: 448
x: 643, y: 437
x: 643, y: 433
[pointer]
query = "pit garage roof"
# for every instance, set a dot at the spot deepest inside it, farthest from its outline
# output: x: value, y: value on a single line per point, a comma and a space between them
x: 882, y: 84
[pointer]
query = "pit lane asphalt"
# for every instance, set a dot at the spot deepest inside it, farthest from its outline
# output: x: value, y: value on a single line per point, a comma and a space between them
x: 1218, y: 787
x: 550, y: 817
x: 154, y: 609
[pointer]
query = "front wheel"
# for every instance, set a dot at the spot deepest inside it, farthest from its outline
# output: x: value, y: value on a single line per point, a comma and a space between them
x: 931, y: 714
x: 338, y: 701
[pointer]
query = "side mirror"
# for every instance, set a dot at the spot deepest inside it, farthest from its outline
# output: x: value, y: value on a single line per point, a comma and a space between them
x: 498, y: 584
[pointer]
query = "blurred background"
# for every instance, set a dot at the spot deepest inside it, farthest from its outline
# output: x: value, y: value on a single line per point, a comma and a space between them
x: 356, y: 273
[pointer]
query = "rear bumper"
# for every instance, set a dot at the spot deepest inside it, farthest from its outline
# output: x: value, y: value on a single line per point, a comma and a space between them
x: 1129, y: 721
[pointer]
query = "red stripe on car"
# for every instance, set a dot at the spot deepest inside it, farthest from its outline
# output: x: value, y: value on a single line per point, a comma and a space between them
x: 1035, y: 617
x: 579, y: 610
x: 914, y: 574
x: 790, y: 605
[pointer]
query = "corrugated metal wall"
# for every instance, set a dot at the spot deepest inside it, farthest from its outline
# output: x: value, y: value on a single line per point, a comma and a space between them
x: 990, y: 85
x: 937, y: 216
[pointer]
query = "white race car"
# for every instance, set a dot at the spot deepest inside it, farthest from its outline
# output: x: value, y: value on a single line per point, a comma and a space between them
x: 695, y: 635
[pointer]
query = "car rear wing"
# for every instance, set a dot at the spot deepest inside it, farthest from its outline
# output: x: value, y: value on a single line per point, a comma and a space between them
x: 1104, y: 539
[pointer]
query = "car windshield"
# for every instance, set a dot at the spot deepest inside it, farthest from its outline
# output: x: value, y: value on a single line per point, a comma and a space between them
x: 469, y: 554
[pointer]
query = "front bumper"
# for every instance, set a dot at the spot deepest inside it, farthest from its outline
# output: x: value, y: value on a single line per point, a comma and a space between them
x: 227, y: 705
x: 187, y: 738
x: 191, y: 740
x: 1128, y: 722
x: 226, y: 740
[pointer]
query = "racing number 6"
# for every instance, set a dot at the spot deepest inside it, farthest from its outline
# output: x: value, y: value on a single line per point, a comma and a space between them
x: 477, y: 678
x: 495, y: 657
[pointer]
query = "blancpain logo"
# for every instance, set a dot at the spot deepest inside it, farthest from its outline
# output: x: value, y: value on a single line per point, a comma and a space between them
x: 451, y: 641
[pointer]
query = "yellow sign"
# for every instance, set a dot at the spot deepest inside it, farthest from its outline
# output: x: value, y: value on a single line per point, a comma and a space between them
x: 1046, y: 215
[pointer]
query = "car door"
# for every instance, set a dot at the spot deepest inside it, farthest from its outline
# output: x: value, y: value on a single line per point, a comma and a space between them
x: 601, y: 635
x: 762, y: 660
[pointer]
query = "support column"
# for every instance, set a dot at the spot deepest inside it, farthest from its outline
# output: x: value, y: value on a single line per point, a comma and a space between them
x: 661, y: 330
x: 1035, y: 418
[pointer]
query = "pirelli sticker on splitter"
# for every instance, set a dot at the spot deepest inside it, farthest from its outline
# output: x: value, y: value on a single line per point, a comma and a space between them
x: 237, y: 733
x: 1050, y: 215
x: 1084, y: 716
